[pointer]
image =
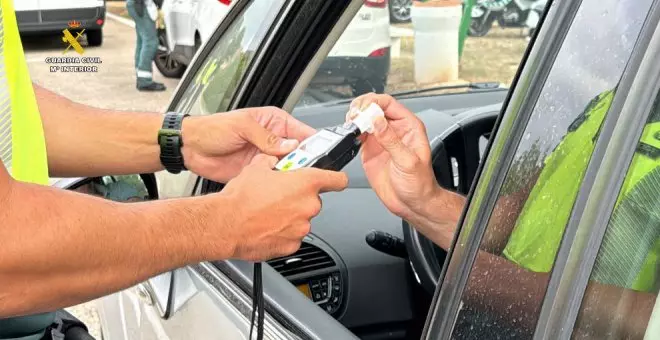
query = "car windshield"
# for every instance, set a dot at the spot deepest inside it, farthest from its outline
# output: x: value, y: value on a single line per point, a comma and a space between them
x: 384, y: 51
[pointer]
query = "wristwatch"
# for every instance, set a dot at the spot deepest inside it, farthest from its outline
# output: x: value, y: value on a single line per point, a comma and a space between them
x: 170, y: 141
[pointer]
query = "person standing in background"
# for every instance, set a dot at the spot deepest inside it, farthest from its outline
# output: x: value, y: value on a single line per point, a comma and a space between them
x: 145, y: 13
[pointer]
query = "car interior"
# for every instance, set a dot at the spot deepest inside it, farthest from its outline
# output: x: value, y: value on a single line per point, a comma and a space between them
x: 363, y: 265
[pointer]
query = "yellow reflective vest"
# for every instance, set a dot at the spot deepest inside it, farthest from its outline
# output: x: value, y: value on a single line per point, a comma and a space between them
x: 539, y: 229
x: 22, y: 143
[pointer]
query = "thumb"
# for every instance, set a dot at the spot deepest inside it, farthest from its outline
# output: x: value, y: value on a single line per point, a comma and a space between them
x: 401, y: 155
x: 263, y: 161
x: 266, y: 141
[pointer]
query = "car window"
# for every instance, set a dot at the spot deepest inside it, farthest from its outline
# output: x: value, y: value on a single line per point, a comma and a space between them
x: 624, y: 280
x: 215, y: 82
x: 508, y: 280
x: 436, y: 48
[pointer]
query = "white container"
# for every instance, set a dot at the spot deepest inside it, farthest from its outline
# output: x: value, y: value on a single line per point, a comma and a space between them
x: 436, y: 42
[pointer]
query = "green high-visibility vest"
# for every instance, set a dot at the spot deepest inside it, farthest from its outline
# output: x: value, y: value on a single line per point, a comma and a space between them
x: 22, y: 144
x: 537, y: 234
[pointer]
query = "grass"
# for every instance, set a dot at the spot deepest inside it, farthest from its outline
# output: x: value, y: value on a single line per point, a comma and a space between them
x: 495, y: 57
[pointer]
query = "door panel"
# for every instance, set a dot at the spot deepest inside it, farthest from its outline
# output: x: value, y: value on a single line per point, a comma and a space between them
x: 198, y: 312
x: 159, y: 289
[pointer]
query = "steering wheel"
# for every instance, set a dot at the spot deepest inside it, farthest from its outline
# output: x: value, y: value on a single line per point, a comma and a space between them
x: 455, y: 156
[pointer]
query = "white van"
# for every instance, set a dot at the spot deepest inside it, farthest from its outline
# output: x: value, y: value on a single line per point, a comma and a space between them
x: 50, y: 16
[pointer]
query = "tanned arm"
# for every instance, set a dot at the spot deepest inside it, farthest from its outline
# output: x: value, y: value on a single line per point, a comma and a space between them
x: 54, y: 255
x: 83, y: 141
x: 60, y: 248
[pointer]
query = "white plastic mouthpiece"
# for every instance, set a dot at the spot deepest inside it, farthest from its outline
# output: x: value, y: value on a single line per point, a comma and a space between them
x: 364, y: 119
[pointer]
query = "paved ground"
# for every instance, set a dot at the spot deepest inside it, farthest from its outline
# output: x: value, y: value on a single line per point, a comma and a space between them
x: 113, y: 87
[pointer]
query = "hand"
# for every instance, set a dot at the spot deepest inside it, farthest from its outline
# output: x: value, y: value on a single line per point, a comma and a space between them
x: 397, y: 157
x: 217, y: 147
x: 274, y: 209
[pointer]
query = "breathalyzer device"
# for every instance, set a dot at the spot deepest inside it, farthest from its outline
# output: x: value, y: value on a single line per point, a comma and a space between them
x: 330, y: 148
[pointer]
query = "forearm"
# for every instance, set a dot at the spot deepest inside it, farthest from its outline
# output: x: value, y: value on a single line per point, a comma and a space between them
x: 438, y: 217
x: 496, y: 285
x: 85, y: 141
x: 501, y: 288
x: 612, y: 312
x: 49, y: 246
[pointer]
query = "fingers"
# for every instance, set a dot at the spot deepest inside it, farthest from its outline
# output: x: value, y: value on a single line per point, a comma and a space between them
x: 325, y: 180
x: 401, y: 155
x: 285, y: 125
x: 392, y: 108
x: 264, y: 161
x: 400, y: 120
x: 265, y: 140
x: 296, y: 129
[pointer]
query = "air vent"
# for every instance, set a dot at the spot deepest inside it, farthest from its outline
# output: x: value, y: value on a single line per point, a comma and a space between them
x: 306, y: 259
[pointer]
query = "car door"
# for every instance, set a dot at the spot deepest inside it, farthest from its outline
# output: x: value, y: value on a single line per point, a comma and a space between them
x: 267, y: 53
x: 506, y: 289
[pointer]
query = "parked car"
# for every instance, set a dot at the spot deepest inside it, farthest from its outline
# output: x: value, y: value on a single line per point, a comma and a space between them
x: 337, y: 286
x: 188, y: 24
x: 400, y: 10
x: 361, y: 57
x: 53, y: 16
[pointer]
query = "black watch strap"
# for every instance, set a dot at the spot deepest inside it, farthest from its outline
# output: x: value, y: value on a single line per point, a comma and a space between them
x: 171, y: 141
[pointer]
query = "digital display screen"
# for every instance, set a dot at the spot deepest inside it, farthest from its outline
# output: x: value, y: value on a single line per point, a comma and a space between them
x: 304, y: 288
x: 317, y: 145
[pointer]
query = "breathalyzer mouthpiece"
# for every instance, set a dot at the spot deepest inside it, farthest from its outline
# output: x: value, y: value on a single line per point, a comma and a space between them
x: 364, y: 118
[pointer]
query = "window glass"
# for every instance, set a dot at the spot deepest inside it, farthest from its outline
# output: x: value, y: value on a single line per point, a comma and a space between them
x: 216, y: 81
x: 624, y: 281
x: 505, y: 289
x: 402, y: 46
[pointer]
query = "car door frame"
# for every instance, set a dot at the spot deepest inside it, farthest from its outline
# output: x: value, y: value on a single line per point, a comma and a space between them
x: 597, y: 194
